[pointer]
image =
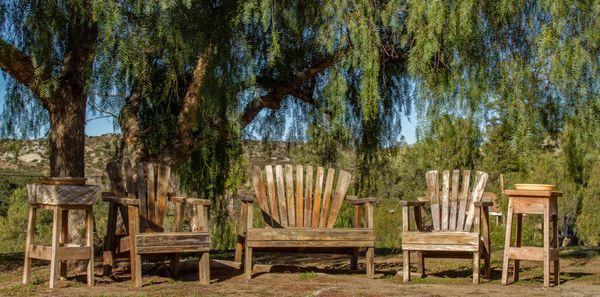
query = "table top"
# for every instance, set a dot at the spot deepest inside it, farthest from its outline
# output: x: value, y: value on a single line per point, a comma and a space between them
x: 62, y: 194
x: 533, y: 193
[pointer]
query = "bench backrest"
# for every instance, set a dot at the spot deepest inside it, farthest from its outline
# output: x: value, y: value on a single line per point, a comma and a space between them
x: 149, y: 183
x: 451, y: 210
x: 300, y: 196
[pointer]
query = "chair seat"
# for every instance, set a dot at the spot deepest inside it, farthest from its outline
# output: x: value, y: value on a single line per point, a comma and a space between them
x: 441, y: 241
x: 308, y: 237
x: 172, y: 242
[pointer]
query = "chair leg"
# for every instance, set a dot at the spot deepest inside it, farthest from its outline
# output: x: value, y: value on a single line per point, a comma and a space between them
x: 421, y: 264
x: 174, y: 265
x: 63, y: 240
x: 54, y: 258
x: 248, y: 263
x: 28, y: 243
x: 239, y: 250
x: 370, y: 263
x: 476, y: 263
x: 204, y: 268
x: 487, y: 265
x: 89, y: 241
x: 406, y: 265
x: 136, y: 269
x: 108, y: 254
x: 354, y: 259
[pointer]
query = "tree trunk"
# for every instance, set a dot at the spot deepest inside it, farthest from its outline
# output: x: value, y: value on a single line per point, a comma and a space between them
x: 66, y: 141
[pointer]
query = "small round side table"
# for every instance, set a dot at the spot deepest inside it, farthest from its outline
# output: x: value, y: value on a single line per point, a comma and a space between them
x: 538, y: 202
x: 60, y: 199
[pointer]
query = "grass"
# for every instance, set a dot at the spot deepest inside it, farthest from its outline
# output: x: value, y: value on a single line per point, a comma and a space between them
x: 308, y: 275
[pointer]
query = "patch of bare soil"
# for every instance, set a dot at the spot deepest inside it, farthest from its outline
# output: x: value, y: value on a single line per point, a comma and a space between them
x: 316, y: 275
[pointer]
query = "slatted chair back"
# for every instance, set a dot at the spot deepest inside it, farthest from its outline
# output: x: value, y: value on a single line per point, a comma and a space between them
x: 300, y: 197
x: 453, y: 206
x: 149, y: 184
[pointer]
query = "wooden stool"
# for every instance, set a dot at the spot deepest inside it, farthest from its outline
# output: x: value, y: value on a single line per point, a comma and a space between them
x: 49, y: 197
x: 532, y: 202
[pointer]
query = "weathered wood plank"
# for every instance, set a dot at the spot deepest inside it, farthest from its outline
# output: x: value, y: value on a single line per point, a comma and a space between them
x: 298, y: 234
x: 271, y: 191
x: 62, y: 194
x: 340, y: 193
x: 162, y: 190
x: 309, y: 243
x: 464, y: 196
x: 445, y: 199
x: 433, y: 193
x: 454, y: 200
x: 172, y: 238
x: 308, y: 194
x: 299, y: 196
x: 289, y: 194
x: 439, y: 247
x: 317, y: 197
x: 326, y: 198
x: 531, y: 253
x: 261, y: 194
x: 147, y: 182
x: 441, y: 238
x: 475, y: 197
x: 173, y: 249
x: 283, y: 212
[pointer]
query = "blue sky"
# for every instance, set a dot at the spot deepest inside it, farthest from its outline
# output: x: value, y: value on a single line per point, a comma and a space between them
x: 104, y: 125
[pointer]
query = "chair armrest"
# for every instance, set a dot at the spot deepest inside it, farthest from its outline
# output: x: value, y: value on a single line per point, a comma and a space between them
x: 412, y: 203
x: 111, y: 197
x: 190, y: 201
x: 360, y: 201
x: 246, y: 198
x: 483, y: 204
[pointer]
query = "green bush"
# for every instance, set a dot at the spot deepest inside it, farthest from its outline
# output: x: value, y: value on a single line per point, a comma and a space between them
x: 588, y: 221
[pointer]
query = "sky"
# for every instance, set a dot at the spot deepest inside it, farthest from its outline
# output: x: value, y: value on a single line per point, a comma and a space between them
x: 101, y: 126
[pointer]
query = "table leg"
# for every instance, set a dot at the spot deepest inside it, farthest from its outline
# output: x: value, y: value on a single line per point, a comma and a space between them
x: 556, y: 246
x: 64, y: 232
x: 54, y: 259
x: 518, y: 235
x: 29, y: 243
x: 546, y: 228
x: 89, y: 241
x: 505, y: 263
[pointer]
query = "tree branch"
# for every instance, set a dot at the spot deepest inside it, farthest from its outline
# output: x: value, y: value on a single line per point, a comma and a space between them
x: 20, y: 67
x: 281, y: 89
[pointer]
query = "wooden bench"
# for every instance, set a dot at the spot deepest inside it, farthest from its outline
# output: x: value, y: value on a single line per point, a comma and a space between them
x: 143, y: 204
x: 460, y: 222
x: 300, y: 208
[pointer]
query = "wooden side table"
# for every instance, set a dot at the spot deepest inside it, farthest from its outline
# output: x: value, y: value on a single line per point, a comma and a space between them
x: 532, y: 202
x: 60, y: 199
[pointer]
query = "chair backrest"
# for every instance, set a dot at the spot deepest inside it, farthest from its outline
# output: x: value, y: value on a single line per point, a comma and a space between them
x: 451, y: 210
x: 149, y: 183
x: 300, y: 198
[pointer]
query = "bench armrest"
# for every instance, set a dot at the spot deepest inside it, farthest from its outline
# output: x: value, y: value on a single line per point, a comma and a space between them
x: 360, y: 201
x: 246, y: 198
x: 483, y: 204
x: 412, y: 203
x: 190, y: 201
x: 111, y: 197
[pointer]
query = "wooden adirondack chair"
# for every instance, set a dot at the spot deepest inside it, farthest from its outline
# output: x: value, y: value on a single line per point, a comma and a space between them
x: 460, y: 222
x: 300, y: 212
x: 143, y: 206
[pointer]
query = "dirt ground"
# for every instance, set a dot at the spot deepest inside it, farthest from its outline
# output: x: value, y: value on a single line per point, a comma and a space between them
x: 316, y: 275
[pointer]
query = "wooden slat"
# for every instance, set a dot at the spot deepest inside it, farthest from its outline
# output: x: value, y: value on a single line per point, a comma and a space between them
x: 531, y: 253
x: 150, y: 189
x: 299, y: 196
x: 162, y: 189
x: 308, y: 243
x: 445, y: 199
x: 475, y: 197
x: 439, y: 247
x: 338, y: 198
x: 142, y: 193
x: 289, y: 194
x: 326, y: 198
x: 454, y: 200
x: 440, y: 238
x: 283, y: 213
x: 271, y: 192
x: 40, y: 252
x: 294, y: 234
x: 462, y: 205
x: 173, y: 249
x: 130, y: 185
x: 261, y: 194
x: 317, y: 197
x: 432, y: 190
x: 308, y: 194
x: 116, y: 179
x: 172, y: 239
x: 526, y: 193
